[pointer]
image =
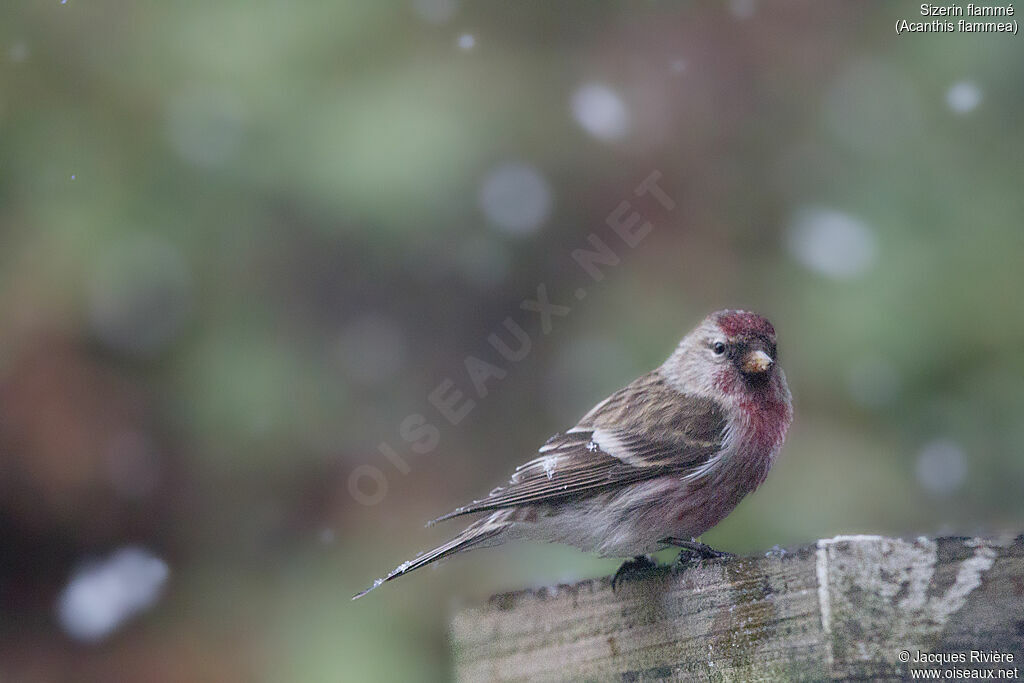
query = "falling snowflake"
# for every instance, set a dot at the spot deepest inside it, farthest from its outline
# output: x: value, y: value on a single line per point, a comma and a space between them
x: 549, y: 465
x: 102, y: 595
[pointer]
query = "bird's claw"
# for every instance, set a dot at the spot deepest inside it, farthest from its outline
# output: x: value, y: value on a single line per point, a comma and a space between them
x: 631, y: 569
x: 694, y: 552
x: 686, y: 558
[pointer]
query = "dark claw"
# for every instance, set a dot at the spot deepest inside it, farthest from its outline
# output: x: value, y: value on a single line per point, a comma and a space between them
x: 695, y: 550
x: 632, y: 569
x: 686, y: 559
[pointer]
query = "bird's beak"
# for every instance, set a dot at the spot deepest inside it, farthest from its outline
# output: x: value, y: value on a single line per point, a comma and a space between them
x: 756, y: 362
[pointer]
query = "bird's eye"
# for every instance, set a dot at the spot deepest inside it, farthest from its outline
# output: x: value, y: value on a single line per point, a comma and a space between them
x: 718, y: 347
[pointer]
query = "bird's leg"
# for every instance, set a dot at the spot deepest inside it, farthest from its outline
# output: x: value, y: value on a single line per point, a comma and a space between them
x: 693, y: 551
x: 630, y: 569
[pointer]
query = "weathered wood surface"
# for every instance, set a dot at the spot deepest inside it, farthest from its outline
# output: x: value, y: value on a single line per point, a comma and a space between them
x: 843, y: 608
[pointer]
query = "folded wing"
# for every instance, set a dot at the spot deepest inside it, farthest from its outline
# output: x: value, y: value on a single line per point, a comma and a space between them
x: 616, y: 444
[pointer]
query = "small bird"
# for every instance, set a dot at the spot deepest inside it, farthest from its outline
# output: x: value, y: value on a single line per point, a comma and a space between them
x: 656, y: 464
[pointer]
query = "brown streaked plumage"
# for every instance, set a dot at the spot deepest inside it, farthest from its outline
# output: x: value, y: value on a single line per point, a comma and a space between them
x: 670, y: 439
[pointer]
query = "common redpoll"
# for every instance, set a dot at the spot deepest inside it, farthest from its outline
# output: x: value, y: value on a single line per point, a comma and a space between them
x: 655, y: 464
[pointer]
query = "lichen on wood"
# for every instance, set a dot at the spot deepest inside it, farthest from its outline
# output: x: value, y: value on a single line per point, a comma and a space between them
x: 843, y: 608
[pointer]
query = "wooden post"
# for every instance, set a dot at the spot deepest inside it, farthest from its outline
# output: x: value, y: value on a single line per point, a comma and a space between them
x: 845, y: 608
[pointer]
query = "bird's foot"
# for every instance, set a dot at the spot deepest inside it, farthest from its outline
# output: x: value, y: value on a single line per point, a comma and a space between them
x: 694, y: 552
x: 686, y: 558
x: 632, y: 569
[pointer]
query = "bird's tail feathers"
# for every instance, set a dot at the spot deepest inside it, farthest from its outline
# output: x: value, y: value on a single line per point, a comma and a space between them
x: 442, y: 518
x: 477, y: 535
x: 475, y: 506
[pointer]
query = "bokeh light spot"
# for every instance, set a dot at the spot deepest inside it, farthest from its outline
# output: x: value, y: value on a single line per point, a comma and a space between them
x: 101, y: 596
x: 831, y: 243
x: 515, y: 198
x: 600, y: 111
x: 963, y: 97
x: 941, y: 466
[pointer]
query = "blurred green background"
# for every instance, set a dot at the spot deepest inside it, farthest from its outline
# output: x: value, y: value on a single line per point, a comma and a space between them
x: 241, y: 242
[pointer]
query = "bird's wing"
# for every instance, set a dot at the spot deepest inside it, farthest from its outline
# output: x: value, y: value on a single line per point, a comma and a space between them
x: 619, y: 442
